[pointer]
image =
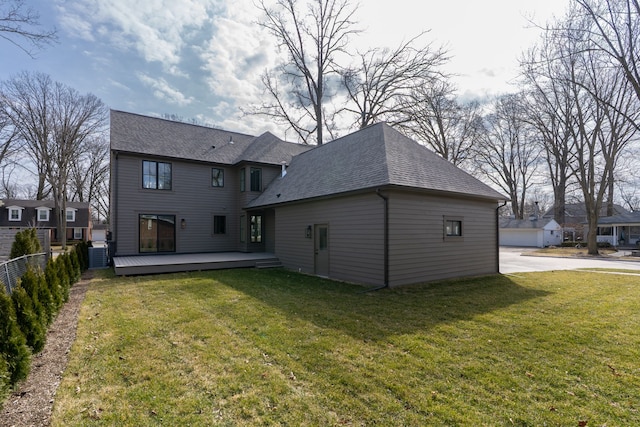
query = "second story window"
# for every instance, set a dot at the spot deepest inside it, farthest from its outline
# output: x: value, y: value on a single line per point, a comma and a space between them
x: 156, y: 175
x: 217, y: 177
x: 256, y: 179
x: 71, y: 215
x: 43, y: 214
x: 15, y: 213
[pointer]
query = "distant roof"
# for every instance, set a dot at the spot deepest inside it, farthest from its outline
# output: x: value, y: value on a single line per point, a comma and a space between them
x: 370, y: 158
x: 578, y: 210
x: 625, y: 218
x: 41, y: 203
x: 134, y: 133
x: 522, y: 224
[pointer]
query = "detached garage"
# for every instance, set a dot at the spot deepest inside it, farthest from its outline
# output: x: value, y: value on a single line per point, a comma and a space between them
x: 530, y: 232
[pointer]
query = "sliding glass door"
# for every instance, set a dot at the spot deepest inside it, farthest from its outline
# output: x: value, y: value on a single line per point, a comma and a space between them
x: 157, y: 233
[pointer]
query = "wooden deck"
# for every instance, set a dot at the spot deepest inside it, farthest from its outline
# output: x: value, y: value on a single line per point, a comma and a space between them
x: 173, y: 263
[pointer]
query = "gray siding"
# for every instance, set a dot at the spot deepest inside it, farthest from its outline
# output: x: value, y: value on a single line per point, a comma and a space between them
x: 355, y: 236
x: 192, y: 197
x: 418, y: 250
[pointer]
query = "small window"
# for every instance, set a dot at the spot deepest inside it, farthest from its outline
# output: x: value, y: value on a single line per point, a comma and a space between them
x: 256, y: 179
x: 156, y: 175
x: 256, y: 228
x: 219, y: 224
x: 77, y: 233
x: 71, y: 215
x: 453, y: 228
x: 43, y: 214
x: 242, y: 179
x: 217, y: 177
x: 15, y: 214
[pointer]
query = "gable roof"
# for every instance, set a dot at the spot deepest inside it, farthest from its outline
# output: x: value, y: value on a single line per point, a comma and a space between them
x: 134, y: 133
x: 578, y: 211
x: 370, y: 158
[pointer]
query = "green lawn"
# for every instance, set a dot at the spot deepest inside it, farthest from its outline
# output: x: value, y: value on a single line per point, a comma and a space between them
x: 272, y: 347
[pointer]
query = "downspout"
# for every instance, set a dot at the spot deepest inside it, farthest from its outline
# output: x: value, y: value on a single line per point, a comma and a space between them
x: 386, y: 242
x: 114, y: 212
x: 498, y: 237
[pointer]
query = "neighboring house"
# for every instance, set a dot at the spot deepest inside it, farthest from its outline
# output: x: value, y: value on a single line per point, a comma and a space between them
x: 371, y: 207
x: 530, y: 232
x: 18, y: 214
x: 575, y: 219
x: 620, y: 230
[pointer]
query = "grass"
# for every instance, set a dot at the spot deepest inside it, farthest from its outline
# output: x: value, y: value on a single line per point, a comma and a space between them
x: 272, y: 347
x: 565, y: 251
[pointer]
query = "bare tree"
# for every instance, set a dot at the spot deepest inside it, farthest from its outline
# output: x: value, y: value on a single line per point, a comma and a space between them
x: 435, y: 117
x: 55, y: 122
x: 20, y: 26
x: 506, y: 154
x: 312, y: 39
x: 89, y: 176
x: 380, y: 85
x: 615, y: 30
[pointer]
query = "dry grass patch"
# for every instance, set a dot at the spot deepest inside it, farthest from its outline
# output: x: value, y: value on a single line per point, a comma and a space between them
x: 256, y: 347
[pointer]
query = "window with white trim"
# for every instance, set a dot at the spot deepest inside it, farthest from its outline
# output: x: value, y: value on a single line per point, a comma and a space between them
x: 43, y: 214
x: 15, y: 213
x: 71, y: 214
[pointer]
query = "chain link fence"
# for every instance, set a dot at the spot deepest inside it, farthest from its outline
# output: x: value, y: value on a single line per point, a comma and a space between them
x: 12, y: 270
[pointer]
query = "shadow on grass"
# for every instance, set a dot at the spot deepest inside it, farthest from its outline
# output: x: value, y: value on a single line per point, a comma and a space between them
x: 372, y: 315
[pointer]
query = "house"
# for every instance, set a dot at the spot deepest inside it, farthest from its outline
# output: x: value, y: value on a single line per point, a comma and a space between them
x: 575, y: 219
x: 620, y: 230
x: 371, y: 207
x: 40, y: 214
x: 16, y: 215
x: 532, y: 232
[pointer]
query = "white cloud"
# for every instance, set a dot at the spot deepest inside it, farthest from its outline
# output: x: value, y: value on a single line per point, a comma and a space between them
x: 156, y: 30
x: 163, y: 90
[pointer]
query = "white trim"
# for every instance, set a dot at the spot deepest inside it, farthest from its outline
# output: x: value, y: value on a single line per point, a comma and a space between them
x: 45, y: 210
x: 71, y: 211
x: 18, y: 209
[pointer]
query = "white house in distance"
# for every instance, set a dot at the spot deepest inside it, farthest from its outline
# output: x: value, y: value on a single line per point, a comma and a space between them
x: 620, y: 230
x: 532, y: 232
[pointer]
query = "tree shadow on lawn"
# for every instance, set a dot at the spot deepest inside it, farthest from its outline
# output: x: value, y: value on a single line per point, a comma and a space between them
x: 377, y: 314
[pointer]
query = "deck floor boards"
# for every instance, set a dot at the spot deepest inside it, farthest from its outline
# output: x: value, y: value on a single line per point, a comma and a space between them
x: 171, y: 263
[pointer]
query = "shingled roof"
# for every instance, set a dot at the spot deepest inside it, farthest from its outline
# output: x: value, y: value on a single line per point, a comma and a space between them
x: 134, y: 133
x: 373, y: 157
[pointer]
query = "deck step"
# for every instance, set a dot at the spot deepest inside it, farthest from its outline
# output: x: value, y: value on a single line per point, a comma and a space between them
x: 271, y: 263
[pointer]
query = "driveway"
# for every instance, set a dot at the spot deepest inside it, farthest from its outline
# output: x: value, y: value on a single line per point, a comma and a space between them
x: 515, y: 260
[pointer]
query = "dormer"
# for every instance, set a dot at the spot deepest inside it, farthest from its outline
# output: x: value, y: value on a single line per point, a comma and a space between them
x: 15, y: 213
x: 71, y: 214
x: 43, y: 213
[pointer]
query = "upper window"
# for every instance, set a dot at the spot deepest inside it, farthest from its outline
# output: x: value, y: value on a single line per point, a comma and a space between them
x: 453, y: 227
x: 256, y: 179
x: 71, y: 214
x: 15, y: 213
x: 242, y: 180
x: 156, y: 175
x: 43, y: 214
x: 217, y: 177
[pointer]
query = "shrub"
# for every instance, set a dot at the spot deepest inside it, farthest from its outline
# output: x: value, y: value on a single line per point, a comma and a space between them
x: 63, y: 276
x: 25, y: 243
x: 53, y: 282
x: 5, y: 380
x: 82, y: 249
x: 75, y: 266
x: 28, y: 320
x: 30, y: 282
x: 13, y: 345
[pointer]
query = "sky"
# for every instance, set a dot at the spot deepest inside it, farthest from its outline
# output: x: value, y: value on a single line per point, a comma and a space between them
x: 202, y: 59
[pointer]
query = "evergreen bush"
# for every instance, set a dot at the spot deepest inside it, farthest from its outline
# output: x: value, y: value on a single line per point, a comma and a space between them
x: 53, y: 282
x: 76, y: 270
x: 30, y: 283
x: 25, y: 243
x: 13, y: 344
x: 28, y: 320
x: 5, y: 380
x: 63, y: 276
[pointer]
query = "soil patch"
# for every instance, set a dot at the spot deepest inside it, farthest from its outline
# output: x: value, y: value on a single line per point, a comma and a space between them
x: 31, y: 404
